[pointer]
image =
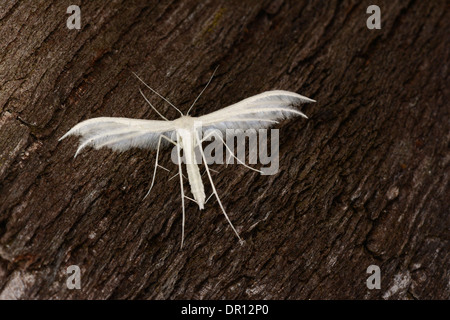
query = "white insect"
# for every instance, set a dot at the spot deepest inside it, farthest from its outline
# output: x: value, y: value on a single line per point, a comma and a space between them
x: 120, y: 134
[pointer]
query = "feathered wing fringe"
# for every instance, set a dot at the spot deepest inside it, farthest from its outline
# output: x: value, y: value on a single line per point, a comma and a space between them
x: 120, y: 134
x: 259, y: 111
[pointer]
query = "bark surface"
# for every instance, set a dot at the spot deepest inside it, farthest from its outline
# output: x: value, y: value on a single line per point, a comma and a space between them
x: 364, y: 181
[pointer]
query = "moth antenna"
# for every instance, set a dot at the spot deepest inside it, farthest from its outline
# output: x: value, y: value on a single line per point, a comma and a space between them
x: 202, y: 90
x: 152, y: 105
x: 154, y: 91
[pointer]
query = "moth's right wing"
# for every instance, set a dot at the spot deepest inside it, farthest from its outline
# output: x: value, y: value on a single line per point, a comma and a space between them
x: 259, y: 111
x: 120, y: 134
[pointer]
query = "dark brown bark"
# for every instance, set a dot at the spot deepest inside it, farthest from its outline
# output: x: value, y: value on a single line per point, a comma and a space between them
x: 364, y: 181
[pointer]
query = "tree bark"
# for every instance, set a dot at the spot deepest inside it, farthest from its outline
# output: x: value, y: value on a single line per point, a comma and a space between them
x: 364, y: 181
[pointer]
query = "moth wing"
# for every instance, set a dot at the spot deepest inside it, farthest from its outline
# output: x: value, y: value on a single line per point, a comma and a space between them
x: 259, y: 111
x: 120, y: 134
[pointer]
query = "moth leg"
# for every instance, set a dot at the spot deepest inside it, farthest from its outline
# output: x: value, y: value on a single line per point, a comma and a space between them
x: 191, y: 199
x: 156, y: 162
x: 182, y: 192
x: 206, y: 137
x: 175, y: 176
x: 163, y: 168
x: 199, y: 143
x: 209, y: 197
x: 232, y: 154
x: 210, y: 170
x: 215, y: 192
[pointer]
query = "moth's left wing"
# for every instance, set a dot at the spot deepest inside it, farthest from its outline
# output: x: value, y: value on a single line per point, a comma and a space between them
x: 120, y: 134
x: 259, y: 111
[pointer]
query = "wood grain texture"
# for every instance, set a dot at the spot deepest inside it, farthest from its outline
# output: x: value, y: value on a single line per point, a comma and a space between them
x: 364, y: 181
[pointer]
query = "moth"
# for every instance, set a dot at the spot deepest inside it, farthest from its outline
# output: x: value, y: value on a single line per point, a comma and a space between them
x: 120, y: 134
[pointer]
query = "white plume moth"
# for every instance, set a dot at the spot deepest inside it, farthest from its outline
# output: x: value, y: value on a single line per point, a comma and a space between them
x: 120, y: 134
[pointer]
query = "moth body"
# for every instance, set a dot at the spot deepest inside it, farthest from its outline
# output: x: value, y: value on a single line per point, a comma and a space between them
x: 186, y: 137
